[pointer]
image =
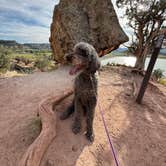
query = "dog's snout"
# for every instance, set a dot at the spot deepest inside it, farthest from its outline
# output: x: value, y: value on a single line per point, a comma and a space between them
x: 68, y: 57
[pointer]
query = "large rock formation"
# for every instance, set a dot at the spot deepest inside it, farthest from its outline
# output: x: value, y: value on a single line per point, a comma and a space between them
x: 92, y: 21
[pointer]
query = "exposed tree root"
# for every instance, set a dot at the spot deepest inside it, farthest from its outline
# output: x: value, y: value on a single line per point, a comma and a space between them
x: 36, y: 150
x: 135, y: 88
x: 137, y: 71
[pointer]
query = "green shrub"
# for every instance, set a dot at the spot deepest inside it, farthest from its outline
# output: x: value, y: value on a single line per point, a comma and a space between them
x: 111, y: 64
x: 24, y: 57
x: 162, y: 81
x: 34, y: 127
x: 26, y: 62
x: 4, y: 60
x: 158, y: 73
x: 42, y: 62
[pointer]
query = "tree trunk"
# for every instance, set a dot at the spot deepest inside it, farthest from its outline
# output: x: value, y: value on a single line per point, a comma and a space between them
x: 36, y: 150
x: 144, y: 46
x: 140, y: 62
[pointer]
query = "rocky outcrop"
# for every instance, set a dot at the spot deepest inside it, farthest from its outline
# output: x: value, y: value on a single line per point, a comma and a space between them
x: 91, y: 21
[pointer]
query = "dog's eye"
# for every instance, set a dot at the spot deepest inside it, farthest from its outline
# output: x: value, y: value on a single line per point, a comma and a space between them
x: 82, y: 53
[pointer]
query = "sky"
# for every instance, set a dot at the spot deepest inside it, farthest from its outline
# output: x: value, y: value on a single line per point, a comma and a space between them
x: 29, y: 20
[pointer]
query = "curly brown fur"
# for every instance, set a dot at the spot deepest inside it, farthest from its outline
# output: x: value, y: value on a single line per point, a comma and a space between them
x: 85, y: 60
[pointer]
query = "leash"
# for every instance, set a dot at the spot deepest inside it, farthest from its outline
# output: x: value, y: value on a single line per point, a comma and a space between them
x: 108, y: 135
x: 112, y: 149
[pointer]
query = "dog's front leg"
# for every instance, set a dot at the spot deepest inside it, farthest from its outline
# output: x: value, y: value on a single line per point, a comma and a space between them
x: 68, y: 111
x: 90, y: 116
x: 77, y: 116
x: 89, y: 133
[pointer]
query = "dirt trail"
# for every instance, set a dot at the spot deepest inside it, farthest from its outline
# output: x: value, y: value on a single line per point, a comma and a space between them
x: 138, y: 131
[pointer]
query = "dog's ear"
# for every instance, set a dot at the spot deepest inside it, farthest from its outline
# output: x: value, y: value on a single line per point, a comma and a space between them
x: 94, y: 63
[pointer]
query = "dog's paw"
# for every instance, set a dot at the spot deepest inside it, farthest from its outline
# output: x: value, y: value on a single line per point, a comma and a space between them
x: 90, y: 137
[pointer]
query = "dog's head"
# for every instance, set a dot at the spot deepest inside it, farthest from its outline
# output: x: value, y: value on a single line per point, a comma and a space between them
x: 83, y: 58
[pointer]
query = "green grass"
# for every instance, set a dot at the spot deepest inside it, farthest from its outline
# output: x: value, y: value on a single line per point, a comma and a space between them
x: 4, y: 60
x: 26, y: 55
x: 157, y: 74
x: 41, y: 60
x: 34, y: 127
x: 36, y: 124
x: 162, y: 81
x: 162, y: 56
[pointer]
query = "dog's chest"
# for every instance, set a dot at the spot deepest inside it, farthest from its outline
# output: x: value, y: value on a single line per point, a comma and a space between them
x: 85, y: 84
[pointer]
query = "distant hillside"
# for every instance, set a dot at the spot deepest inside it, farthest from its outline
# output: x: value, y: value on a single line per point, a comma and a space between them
x: 9, y: 43
x: 123, y: 49
x: 38, y: 46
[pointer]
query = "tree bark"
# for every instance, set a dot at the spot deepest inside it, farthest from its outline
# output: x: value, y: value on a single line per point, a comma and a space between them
x: 36, y: 150
x: 140, y: 62
x: 143, y: 51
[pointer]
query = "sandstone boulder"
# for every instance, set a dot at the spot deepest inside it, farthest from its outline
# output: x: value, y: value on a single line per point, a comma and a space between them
x: 93, y: 21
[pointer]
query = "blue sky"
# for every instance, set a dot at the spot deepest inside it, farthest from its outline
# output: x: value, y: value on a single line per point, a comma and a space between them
x: 29, y: 20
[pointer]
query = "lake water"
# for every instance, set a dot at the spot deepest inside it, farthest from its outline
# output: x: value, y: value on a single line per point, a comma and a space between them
x: 130, y: 61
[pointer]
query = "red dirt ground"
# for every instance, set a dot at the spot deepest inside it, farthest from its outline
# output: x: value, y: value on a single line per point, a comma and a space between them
x: 138, y: 131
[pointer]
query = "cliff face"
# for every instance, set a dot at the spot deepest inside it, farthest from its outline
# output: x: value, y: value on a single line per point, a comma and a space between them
x: 91, y: 21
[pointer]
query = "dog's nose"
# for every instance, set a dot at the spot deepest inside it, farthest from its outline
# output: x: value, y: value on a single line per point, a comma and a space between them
x: 68, y: 57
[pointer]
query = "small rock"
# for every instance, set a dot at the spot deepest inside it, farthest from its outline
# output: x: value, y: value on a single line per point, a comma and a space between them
x: 74, y: 148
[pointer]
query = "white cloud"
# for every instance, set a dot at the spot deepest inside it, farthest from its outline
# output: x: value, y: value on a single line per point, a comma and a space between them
x: 34, y: 19
x: 123, y: 21
x: 33, y: 22
x: 26, y: 33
